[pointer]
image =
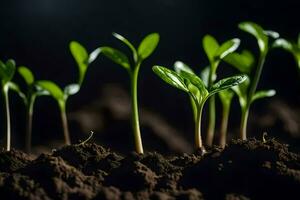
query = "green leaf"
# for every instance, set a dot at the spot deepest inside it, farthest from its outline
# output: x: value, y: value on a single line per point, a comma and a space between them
x: 94, y: 55
x: 210, y: 45
x: 81, y: 57
x: 71, y: 89
x: 148, y: 45
x: 180, y: 66
x: 7, y: 70
x: 283, y: 43
x: 272, y: 34
x: 196, y: 81
x: 204, y: 75
x: 116, y: 56
x: 262, y: 94
x: 170, y: 77
x: 52, y: 88
x: 258, y: 32
x: 226, y: 83
x: 125, y: 41
x: 227, y: 48
x: 242, y: 92
x: 26, y: 74
x: 13, y: 86
x: 244, y: 61
x: 299, y: 40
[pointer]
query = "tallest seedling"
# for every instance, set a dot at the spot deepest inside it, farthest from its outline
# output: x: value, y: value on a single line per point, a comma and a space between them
x: 145, y: 49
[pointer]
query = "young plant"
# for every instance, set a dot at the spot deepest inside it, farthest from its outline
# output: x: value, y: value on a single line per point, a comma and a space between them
x: 198, y: 92
x: 244, y: 62
x: 83, y: 59
x: 215, y: 54
x: 7, y: 72
x: 31, y: 94
x: 145, y: 49
x: 290, y: 46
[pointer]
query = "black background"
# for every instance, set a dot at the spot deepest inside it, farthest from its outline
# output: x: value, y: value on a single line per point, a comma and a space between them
x: 36, y: 33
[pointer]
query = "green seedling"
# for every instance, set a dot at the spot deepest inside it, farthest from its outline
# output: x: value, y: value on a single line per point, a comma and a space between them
x: 290, y: 46
x: 7, y: 72
x: 145, y: 49
x: 198, y: 92
x: 244, y: 62
x: 31, y: 94
x: 215, y: 54
x: 83, y: 59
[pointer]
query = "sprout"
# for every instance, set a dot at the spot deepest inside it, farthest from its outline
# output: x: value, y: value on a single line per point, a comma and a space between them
x: 32, y: 92
x: 215, y: 54
x: 198, y: 92
x: 290, y: 46
x: 83, y: 59
x: 7, y: 72
x: 244, y: 62
x: 145, y: 49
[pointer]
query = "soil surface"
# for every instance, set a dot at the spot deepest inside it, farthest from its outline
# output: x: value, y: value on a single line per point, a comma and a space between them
x: 243, y: 170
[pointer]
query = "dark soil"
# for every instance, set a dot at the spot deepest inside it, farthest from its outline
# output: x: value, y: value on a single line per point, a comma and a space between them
x: 243, y: 170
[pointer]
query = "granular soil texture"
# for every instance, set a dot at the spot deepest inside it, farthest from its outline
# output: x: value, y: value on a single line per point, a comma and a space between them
x: 249, y: 169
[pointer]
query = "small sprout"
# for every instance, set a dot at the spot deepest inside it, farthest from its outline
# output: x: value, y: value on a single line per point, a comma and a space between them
x: 7, y: 72
x: 265, y: 134
x: 198, y: 92
x: 244, y: 62
x: 83, y: 59
x: 32, y: 92
x: 215, y: 54
x: 145, y: 49
x: 290, y: 46
x: 88, y: 139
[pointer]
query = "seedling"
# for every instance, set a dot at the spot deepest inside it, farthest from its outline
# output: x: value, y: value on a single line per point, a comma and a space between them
x: 32, y: 93
x: 290, y: 46
x: 145, y: 49
x: 198, y: 92
x: 83, y: 59
x: 215, y: 54
x: 7, y: 72
x: 244, y: 62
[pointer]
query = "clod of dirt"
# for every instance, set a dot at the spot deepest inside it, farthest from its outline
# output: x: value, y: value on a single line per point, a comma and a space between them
x: 250, y: 168
x: 13, y: 160
x: 20, y: 187
x: 108, y: 193
x: 90, y: 158
x: 60, y: 180
x: 132, y: 176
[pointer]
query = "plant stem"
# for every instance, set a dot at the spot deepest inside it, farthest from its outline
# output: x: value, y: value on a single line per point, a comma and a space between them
x: 244, y: 121
x: 135, y: 113
x: 198, y: 139
x: 257, y: 76
x: 224, y: 125
x: 29, y: 123
x: 211, y: 107
x: 211, y: 122
x: 8, y: 128
x: 252, y: 90
x: 65, y: 123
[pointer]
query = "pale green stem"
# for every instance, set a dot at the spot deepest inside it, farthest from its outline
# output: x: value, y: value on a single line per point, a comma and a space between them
x: 8, y: 128
x: 29, y: 123
x: 198, y: 138
x: 62, y: 106
x: 224, y: 124
x: 135, y: 112
x: 252, y: 90
x: 244, y: 121
x: 211, y: 108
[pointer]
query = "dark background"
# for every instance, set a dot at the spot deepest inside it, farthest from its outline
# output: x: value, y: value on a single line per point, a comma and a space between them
x: 36, y: 33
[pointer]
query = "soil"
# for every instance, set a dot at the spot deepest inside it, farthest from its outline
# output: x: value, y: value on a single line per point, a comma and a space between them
x: 243, y: 170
